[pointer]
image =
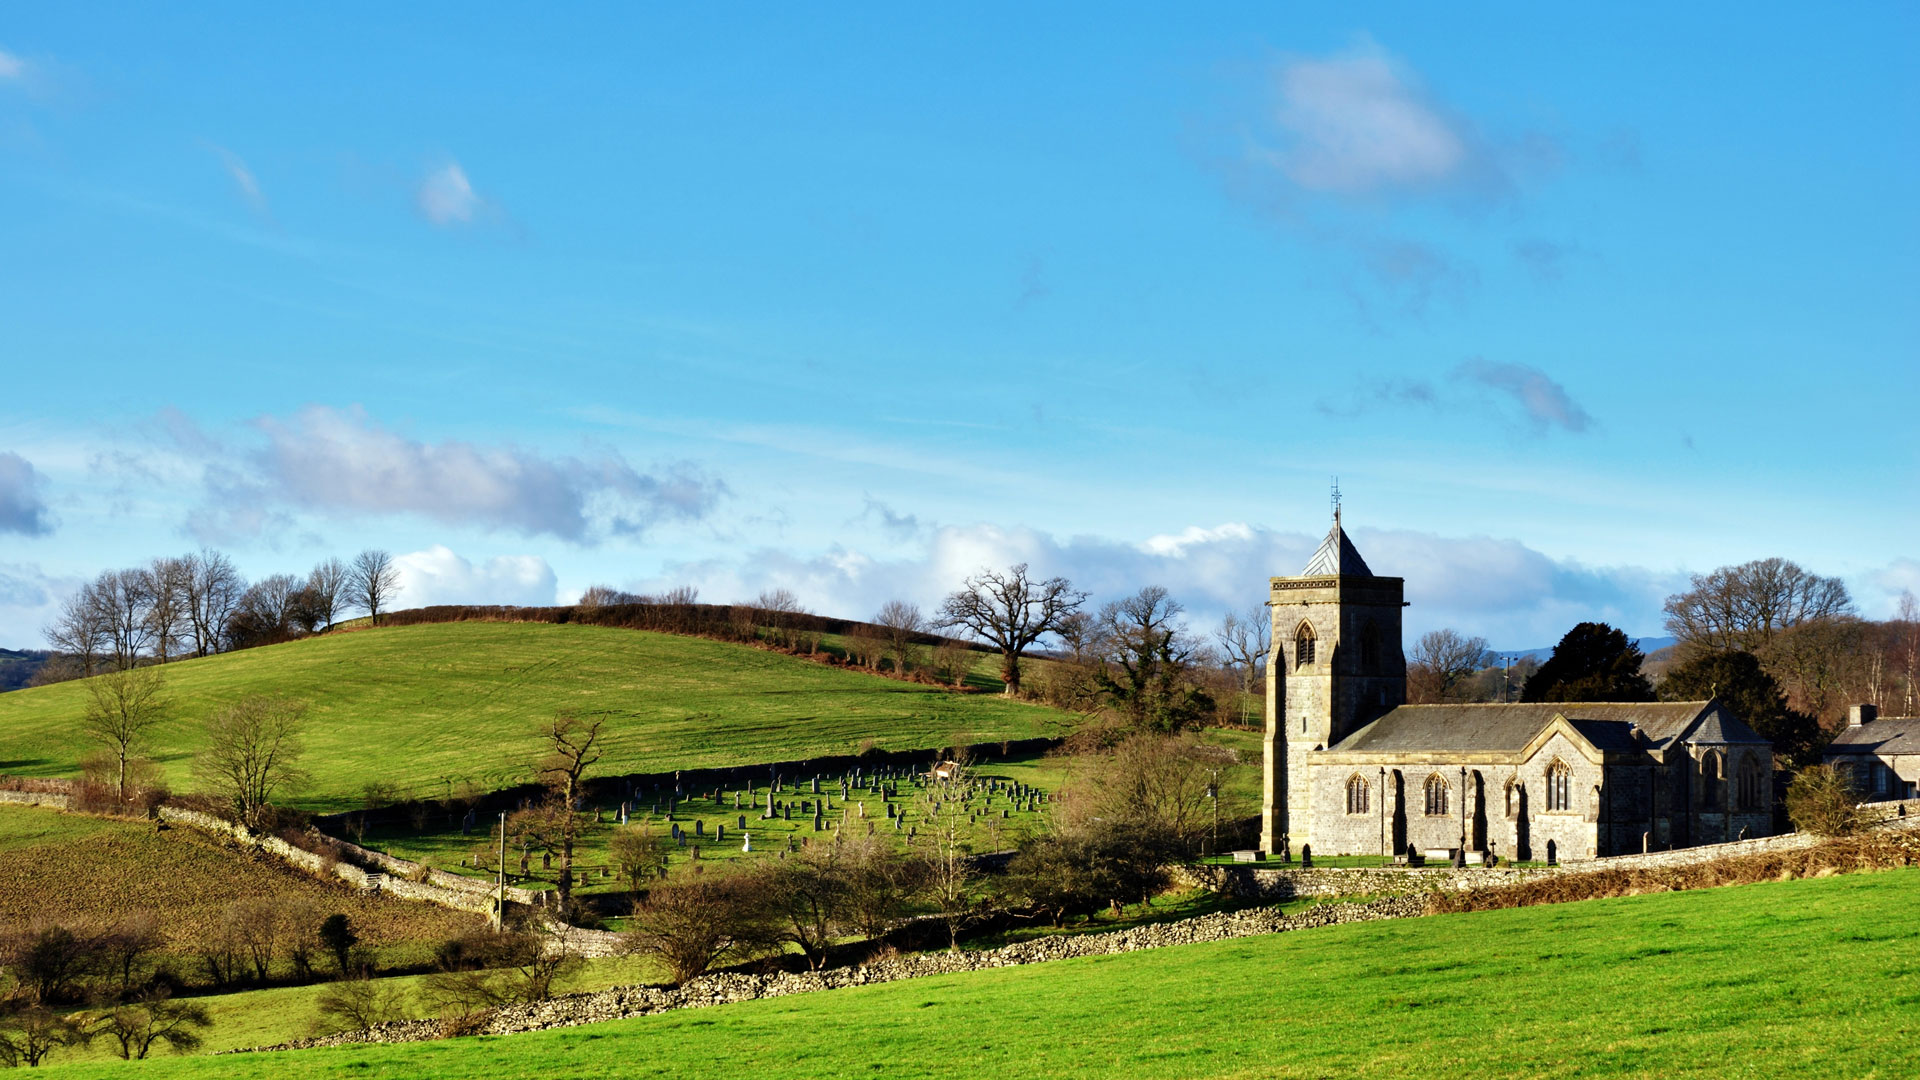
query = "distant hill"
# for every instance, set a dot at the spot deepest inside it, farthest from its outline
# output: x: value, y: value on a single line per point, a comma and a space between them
x: 430, y: 707
x: 1648, y: 646
x: 18, y: 665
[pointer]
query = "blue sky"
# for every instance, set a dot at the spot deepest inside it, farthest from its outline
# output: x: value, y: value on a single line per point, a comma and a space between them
x: 856, y: 300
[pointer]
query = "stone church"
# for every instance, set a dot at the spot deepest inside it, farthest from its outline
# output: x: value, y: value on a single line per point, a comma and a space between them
x: 1351, y: 769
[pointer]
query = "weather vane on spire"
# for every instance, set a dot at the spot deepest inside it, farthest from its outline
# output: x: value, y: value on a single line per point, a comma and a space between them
x: 1336, y: 500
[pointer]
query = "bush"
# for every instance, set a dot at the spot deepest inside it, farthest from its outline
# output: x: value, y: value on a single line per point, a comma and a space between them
x: 690, y: 925
x: 353, y: 1004
x: 1822, y: 800
x: 1078, y: 871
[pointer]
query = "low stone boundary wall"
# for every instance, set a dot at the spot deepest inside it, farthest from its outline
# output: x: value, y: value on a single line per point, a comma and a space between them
x: 1709, y: 852
x: 627, y: 1001
x: 1290, y: 883
x: 36, y: 798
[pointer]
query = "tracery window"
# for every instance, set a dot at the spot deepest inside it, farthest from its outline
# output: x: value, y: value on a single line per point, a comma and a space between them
x: 1436, y: 796
x: 1559, y: 786
x: 1358, y: 793
x: 1303, y: 646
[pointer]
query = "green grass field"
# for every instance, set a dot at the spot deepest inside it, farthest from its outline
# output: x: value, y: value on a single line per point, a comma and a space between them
x: 428, y: 707
x: 1813, y: 978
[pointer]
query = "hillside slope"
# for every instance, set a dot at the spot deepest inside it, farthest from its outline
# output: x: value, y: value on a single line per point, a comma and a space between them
x: 428, y: 707
x: 1802, y: 978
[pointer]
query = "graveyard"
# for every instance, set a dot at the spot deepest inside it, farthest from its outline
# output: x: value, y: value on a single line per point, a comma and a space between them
x: 721, y: 825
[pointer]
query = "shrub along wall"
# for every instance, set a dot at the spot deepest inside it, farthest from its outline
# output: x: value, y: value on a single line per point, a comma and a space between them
x: 721, y: 989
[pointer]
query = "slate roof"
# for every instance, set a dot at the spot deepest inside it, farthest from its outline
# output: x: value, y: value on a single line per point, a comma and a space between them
x: 1336, y: 556
x: 1891, y: 735
x: 1470, y: 729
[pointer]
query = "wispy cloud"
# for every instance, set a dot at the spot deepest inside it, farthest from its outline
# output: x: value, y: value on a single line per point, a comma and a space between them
x: 329, y: 461
x: 22, y: 508
x: 446, y: 197
x: 1545, y: 402
x: 243, y: 179
x: 12, y: 68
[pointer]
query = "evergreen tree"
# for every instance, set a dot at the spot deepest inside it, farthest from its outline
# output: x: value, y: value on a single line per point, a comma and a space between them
x: 1594, y: 662
x: 1738, y: 681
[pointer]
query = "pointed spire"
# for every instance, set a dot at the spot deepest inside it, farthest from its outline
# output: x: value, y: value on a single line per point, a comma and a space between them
x: 1337, y: 554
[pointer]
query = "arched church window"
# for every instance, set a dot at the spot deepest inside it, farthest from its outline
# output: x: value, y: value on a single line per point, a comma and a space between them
x: 1513, y: 800
x: 1436, y: 796
x: 1303, y: 646
x: 1750, y: 781
x: 1559, y: 786
x: 1357, y: 795
x: 1713, y: 779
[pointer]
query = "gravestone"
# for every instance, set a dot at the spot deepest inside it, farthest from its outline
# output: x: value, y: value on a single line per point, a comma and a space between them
x: 897, y: 822
x: 546, y: 860
x: 743, y: 821
x: 720, y: 833
x: 1553, y: 853
x: 1306, y: 856
x: 818, y: 822
x: 746, y: 841
x: 789, y: 814
x: 699, y: 828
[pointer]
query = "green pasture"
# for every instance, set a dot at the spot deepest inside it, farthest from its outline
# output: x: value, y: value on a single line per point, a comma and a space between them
x: 429, y: 708
x: 1812, y: 978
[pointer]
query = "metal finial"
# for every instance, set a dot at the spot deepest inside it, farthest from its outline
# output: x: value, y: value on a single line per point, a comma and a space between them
x: 1336, y: 500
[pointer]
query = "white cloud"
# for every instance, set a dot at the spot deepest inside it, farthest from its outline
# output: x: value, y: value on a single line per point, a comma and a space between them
x: 446, y: 197
x: 11, y: 66
x: 324, y: 460
x: 1361, y: 123
x: 1500, y: 589
x: 22, y: 509
x: 439, y: 576
x: 29, y: 600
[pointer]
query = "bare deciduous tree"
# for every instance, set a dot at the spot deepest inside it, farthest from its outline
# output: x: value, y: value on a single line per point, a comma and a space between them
x: 214, y: 588
x: 1745, y: 607
x: 122, y: 707
x: 373, y: 581
x: 327, y: 590
x: 1440, y: 662
x: 252, y: 752
x: 122, y: 598
x: 1010, y: 611
x: 1245, y: 639
x: 1145, y: 660
x: 570, y: 745
x: 80, y: 630
x: 168, y: 581
x: 899, y: 623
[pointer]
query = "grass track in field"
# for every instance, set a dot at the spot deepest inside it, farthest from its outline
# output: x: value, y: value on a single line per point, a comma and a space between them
x: 422, y: 706
x: 1810, y: 978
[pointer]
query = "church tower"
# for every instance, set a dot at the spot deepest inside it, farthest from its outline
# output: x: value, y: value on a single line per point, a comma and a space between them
x: 1336, y: 666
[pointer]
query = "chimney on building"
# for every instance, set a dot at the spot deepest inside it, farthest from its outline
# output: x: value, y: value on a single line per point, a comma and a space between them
x: 1861, y: 714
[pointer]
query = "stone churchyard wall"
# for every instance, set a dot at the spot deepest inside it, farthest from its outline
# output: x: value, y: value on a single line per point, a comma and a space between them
x: 1291, y: 883
x: 721, y: 989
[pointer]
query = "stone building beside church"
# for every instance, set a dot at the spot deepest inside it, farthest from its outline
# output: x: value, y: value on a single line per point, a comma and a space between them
x: 1351, y: 769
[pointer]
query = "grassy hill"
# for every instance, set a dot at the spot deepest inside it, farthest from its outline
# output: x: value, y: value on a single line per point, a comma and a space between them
x: 1803, y: 978
x: 431, y: 706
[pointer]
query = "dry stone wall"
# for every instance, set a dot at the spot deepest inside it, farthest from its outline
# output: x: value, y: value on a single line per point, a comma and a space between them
x: 1290, y: 883
x: 627, y: 1001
